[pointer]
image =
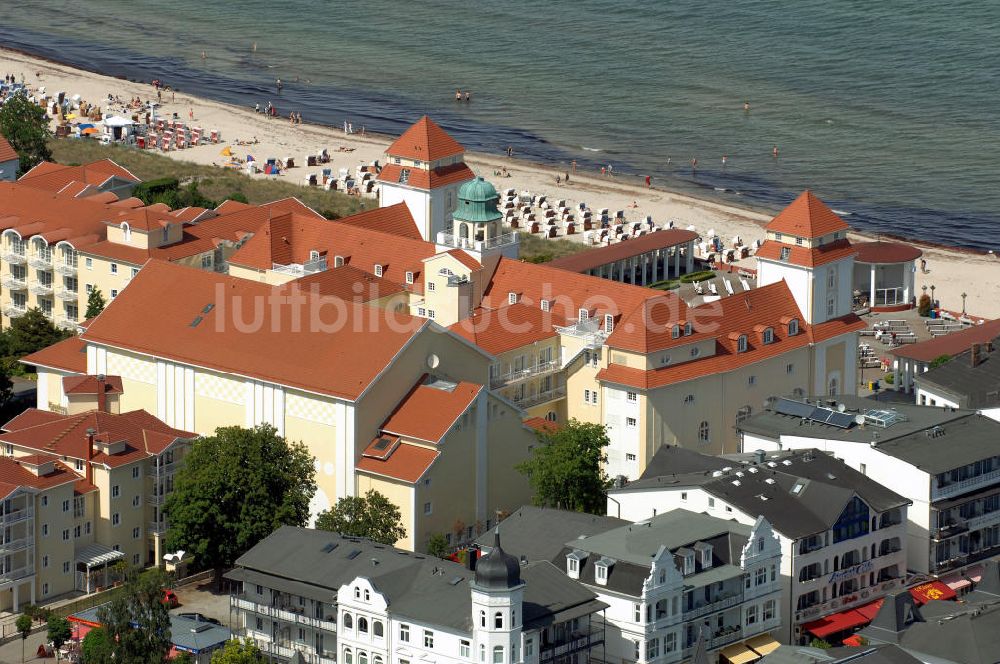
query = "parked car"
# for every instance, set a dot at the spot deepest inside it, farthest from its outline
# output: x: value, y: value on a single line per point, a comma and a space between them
x: 170, y: 598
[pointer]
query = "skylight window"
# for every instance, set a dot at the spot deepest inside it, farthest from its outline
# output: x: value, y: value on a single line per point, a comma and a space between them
x: 797, y: 489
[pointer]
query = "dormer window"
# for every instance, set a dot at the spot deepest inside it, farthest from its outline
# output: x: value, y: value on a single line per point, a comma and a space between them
x: 793, y: 327
x: 609, y: 323
x: 313, y: 255
x: 378, y: 270
x: 777, y: 236
x: 704, y: 555
x: 338, y: 261
x: 601, y: 570
x: 545, y: 305
x: 768, y: 336
x: 574, y: 561
x: 409, y: 277
x: 798, y: 241
x: 741, y: 344
x: 583, y: 314
x: 688, y: 330
x: 676, y: 332
x: 786, y: 253
x: 686, y: 559
x: 511, y: 298
x: 572, y: 565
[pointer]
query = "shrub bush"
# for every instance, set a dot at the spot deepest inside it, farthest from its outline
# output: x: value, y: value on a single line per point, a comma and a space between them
x: 692, y: 277
x: 924, y: 305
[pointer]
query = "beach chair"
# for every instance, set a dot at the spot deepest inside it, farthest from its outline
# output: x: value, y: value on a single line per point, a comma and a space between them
x: 698, y: 288
x: 570, y: 228
x: 215, y: 136
x: 729, y: 286
x: 711, y: 287
x: 745, y: 284
x: 165, y: 143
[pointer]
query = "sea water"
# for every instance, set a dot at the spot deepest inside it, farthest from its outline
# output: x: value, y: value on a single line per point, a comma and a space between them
x: 890, y: 111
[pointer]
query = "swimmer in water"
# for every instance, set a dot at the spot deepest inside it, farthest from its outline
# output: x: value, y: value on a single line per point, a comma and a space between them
x: 746, y: 105
x: 774, y: 152
x: 458, y: 95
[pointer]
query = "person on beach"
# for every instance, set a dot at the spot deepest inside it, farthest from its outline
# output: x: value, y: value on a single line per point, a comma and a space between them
x: 558, y: 180
x: 647, y: 182
x: 191, y: 113
x: 510, y: 150
x: 350, y: 128
x: 256, y: 107
x: 923, y: 265
x: 604, y: 171
x: 345, y: 126
x: 566, y: 178
x: 203, y: 55
x: 574, y: 165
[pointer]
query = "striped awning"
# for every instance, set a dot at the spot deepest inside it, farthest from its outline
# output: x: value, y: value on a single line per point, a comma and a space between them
x: 95, y: 555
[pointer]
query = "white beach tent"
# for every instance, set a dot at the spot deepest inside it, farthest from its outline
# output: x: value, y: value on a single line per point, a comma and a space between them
x: 117, y: 127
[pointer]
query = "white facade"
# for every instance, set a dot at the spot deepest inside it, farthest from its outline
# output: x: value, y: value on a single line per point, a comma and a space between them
x: 822, y: 293
x: 816, y: 559
x: 431, y: 208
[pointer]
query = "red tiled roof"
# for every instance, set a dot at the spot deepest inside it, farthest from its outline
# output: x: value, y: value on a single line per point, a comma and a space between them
x: 150, y: 319
x: 805, y: 256
x: 55, y: 177
x: 393, y: 220
x: 949, y: 344
x: 13, y: 475
x: 587, y: 260
x: 541, y: 424
x: 91, y: 385
x: 82, y: 486
x: 29, y: 418
x: 500, y: 330
x: 428, y: 411
x: 465, y: 259
x: 407, y: 463
x: 881, y: 252
x: 7, y: 152
x: 67, y: 436
x: 425, y: 141
x: 345, y: 282
x: 68, y: 355
x: 807, y: 216
x: 726, y: 357
x: 424, y: 179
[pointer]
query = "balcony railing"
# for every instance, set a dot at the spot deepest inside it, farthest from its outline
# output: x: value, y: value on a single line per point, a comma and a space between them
x: 66, y: 268
x: 515, y: 375
x: 17, y: 573
x: 67, y: 322
x: 577, y: 641
x: 40, y: 261
x: 299, y: 269
x: 16, y: 516
x: 156, y: 527
x: 957, y: 488
x: 506, y: 240
x: 14, y: 257
x: 14, y: 544
x: 587, y: 329
x: 529, y: 400
x: 288, y: 614
x: 10, y: 282
x: 67, y: 294
x: 983, y: 520
x: 41, y: 287
x: 963, y: 559
x: 13, y: 310
x: 850, y: 601
x: 712, y: 607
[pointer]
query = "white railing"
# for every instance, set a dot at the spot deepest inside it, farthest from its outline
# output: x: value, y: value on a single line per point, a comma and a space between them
x: 529, y: 400
x: 711, y: 607
x: 16, y: 515
x: 17, y: 573
x: 588, y: 329
x: 67, y: 323
x: 515, y: 375
x: 65, y: 268
x: 10, y: 282
x: 982, y: 521
x: 298, y: 269
x: 41, y: 287
x: 41, y: 261
x: 471, y: 244
x: 14, y: 544
x: 14, y: 257
x: 284, y: 614
x: 957, y: 488
x: 13, y: 310
x: 67, y: 294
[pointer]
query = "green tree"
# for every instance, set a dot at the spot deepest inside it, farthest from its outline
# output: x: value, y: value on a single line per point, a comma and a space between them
x: 23, y: 626
x: 95, y: 303
x: 238, y: 196
x: 372, y: 516
x: 566, y: 468
x: 6, y: 384
x: 97, y: 647
x: 183, y: 657
x: 235, y: 488
x: 238, y: 652
x: 59, y: 632
x: 437, y: 545
x: 25, y: 127
x: 31, y: 332
x: 136, y: 620
x: 924, y: 305
x: 939, y: 360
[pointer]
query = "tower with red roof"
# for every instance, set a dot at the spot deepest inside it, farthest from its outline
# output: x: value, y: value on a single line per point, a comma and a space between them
x: 807, y: 247
x: 425, y: 167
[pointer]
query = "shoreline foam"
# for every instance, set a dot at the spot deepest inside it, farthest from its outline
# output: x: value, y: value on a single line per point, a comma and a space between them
x: 954, y: 269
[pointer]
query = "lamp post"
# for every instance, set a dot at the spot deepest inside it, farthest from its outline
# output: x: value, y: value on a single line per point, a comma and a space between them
x: 933, y: 301
x: 963, y: 303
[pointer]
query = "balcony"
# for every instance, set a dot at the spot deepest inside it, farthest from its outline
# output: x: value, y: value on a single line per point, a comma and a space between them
x: 40, y: 261
x: 67, y: 322
x: 14, y: 257
x: 951, y: 530
x: 507, y: 240
x: 42, y: 288
x: 14, y: 310
x: 963, y: 559
x: 850, y: 601
x: 156, y: 499
x: 515, y: 375
x: 14, y: 544
x: 301, y: 269
x: 712, y: 607
x: 530, y: 400
x: 156, y: 528
x: 587, y: 329
x: 964, y: 486
x: 288, y: 614
x: 66, y: 294
x: 983, y: 520
x: 16, y: 516
x: 10, y: 282
x: 17, y: 573
x: 577, y: 641
x: 66, y: 268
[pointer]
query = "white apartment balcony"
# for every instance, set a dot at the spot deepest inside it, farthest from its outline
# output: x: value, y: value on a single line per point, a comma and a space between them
x: 964, y: 486
x: 301, y: 269
x: 479, y: 246
x: 529, y: 400
x: 66, y: 268
x: 40, y: 261
x: 14, y: 310
x: 67, y: 322
x: 14, y: 257
x: 13, y: 283
x: 16, y: 516
x: 14, y: 544
x: 712, y: 607
x: 17, y: 573
x: 515, y: 375
x: 67, y: 294
x: 156, y: 499
x: 42, y: 288
x: 588, y: 329
x: 288, y: 614
x: 157, y: 527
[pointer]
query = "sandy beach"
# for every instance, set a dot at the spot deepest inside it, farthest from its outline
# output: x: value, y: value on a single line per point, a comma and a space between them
x: 951, y: 272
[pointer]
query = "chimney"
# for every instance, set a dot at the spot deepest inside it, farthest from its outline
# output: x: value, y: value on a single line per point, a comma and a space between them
x: 89, y: 471
x: 102, y: 393
x: 974, y: 355
x: 471, y: 554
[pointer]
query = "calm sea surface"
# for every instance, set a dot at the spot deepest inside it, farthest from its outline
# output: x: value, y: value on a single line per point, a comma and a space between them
x: 888, y: 110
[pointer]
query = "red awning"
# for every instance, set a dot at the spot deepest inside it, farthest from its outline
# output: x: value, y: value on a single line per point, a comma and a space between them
x: 870, y: 610
x: 925, y: 592
x: 836, y: 622
x: 853, y: 640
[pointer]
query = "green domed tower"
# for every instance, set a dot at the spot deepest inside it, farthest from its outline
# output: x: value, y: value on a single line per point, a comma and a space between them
x: 477, y: 218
